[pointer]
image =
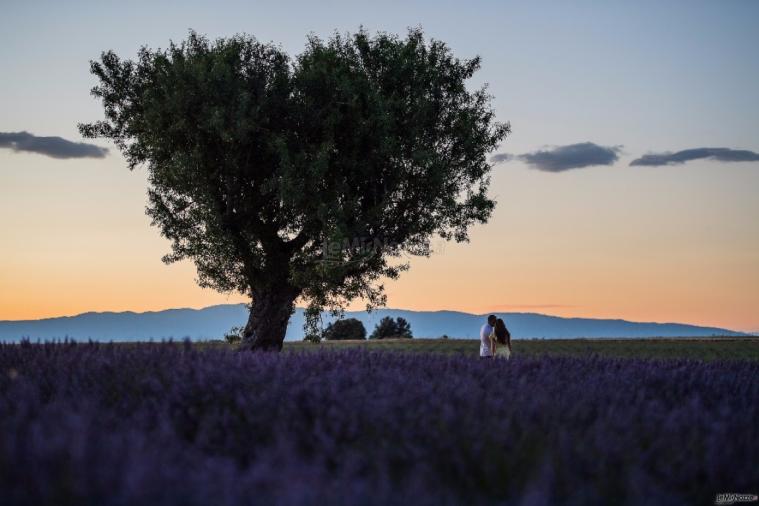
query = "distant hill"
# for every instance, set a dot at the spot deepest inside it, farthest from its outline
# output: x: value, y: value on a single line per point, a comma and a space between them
x: 214, y: 321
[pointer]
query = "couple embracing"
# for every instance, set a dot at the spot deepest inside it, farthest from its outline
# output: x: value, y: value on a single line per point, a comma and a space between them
x: 495, y: 339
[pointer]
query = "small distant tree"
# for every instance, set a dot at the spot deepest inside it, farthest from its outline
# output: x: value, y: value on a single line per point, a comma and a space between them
x: 403, y: 328
x: 305, y: 177
x: 389, y: 328
x: 385, y: 328
x: 350, y: 328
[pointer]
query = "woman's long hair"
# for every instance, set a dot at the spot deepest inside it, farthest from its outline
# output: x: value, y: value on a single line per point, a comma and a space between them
x: 502, y: 334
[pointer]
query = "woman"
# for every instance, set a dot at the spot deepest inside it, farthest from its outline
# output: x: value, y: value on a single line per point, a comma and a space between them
x: 500, y: 340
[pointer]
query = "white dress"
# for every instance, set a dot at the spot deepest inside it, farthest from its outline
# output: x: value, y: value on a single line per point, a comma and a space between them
x: 501, y: 350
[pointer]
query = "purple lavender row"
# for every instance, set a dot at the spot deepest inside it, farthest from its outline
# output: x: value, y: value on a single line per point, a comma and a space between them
x: 169, y: 424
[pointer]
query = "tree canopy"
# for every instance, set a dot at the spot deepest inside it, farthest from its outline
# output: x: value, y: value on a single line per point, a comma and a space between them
x: 306, y: 178
x: 389, y: 328
x: 349, y: 328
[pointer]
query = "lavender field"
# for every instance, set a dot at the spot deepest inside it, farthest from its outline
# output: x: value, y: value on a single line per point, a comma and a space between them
x: 176, y: 424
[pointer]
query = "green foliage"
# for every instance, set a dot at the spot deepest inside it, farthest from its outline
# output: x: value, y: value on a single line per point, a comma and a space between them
x: 340, y: 330
x: 403, y: 328
x: 312, y: 338
x: 234, y: 336
x: 385, y: 328
x: 302, y: 178
x: 389, y: 328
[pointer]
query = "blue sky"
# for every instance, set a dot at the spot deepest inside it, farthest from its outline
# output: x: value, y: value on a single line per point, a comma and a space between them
x: 650, y: 75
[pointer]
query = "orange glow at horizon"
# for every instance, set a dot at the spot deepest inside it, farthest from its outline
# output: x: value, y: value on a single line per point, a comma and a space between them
x: 638, y: 245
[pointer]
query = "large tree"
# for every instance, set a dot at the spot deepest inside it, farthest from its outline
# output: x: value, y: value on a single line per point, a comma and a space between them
x: 305, y: 178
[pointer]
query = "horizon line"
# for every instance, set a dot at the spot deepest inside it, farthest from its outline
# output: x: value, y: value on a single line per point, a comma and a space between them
x: 388, y: 309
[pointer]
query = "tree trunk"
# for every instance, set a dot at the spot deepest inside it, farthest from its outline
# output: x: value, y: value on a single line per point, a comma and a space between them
x: 267, y: 323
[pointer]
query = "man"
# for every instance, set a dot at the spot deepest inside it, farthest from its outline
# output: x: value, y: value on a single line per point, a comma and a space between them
x: 485, y: 332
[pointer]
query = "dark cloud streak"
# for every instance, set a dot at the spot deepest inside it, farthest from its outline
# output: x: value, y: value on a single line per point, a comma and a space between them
x: 687, y: 155
x: 54, y: 147
x: 501, y: 157
x: 563, y: 158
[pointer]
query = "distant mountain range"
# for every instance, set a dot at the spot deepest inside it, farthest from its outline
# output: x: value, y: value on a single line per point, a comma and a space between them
x: 214, y: 321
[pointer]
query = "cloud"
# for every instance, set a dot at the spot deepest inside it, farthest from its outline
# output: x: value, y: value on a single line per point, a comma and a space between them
x: 54, y: 147
x: 501, y: 157
x: 561, y: 158
x: 680, y: 157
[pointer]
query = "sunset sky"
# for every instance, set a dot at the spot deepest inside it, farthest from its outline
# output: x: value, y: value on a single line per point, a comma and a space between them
x: 654, y: 241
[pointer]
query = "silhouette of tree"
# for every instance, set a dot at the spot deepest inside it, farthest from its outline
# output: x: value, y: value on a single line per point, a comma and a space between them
x: 350, y: 328
x: 403, y: 327
x: 387, y: 327
x: 302, y: 179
